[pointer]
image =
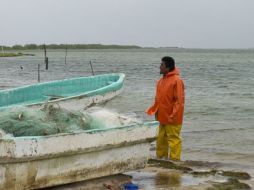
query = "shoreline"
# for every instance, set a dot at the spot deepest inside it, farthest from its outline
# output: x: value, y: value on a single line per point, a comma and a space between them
x: 164, y: 174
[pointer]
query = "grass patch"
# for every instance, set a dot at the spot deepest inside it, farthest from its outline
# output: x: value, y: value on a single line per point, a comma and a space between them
x: 15, y: 54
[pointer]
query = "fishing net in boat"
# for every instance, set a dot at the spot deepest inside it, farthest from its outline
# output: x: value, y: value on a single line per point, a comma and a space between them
x: 52, y: 119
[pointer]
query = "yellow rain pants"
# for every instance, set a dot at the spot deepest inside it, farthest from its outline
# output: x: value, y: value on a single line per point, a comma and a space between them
x: 169, y: 138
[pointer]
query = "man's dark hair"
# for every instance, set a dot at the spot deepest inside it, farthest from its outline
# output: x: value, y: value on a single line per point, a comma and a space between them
x: 169, y: 62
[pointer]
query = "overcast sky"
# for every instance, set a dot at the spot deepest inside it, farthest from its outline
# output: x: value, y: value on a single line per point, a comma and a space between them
x: 156, y: 23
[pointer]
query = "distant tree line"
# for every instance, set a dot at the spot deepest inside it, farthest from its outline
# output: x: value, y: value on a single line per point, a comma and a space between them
x: 69, y: 46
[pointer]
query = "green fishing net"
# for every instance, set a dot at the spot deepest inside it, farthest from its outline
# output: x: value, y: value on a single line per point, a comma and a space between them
x: 49, y: 120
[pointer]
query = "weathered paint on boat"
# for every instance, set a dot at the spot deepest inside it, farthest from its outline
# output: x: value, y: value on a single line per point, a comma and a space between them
x: 36, y: 162
x: 75, y: 93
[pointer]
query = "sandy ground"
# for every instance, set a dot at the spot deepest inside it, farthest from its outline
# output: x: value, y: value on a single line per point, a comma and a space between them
x: 103, y: 183
x: 163, y: 175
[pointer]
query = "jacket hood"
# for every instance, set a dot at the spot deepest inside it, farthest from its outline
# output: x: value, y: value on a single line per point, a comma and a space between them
x: 176, y: 71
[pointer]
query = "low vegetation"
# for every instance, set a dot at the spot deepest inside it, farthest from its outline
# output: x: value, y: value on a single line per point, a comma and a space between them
x: 69, y: 46
x: 14, y: 54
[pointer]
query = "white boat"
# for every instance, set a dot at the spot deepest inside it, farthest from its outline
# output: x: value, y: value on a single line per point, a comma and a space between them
x: 44, y: 161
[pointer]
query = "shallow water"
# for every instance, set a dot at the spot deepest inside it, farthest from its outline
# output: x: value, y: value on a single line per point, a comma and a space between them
x: 218, y: 123
x: 157, y: 180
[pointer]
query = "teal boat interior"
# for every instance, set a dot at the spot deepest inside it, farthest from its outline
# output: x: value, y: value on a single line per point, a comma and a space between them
x: 61, y: 89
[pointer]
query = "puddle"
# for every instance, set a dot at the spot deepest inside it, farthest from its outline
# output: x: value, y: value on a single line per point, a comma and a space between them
x: 163, y: 179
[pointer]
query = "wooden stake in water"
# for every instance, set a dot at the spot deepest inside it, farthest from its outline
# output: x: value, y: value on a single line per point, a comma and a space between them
x: 91, y: 65
x: 46, y: 58
x: 65, y: 54
x: 39, y: 73
x: 2, y: 50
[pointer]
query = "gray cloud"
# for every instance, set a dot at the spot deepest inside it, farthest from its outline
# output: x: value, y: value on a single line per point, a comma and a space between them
x: 183, y: 23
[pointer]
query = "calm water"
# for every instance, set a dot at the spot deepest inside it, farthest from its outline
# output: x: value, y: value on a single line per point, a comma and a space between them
x: 218, y: 123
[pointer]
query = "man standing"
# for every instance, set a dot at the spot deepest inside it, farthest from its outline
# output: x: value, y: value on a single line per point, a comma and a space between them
x: 168, y: 108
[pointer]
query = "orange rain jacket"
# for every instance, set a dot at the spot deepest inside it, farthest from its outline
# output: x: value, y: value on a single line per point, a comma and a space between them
x: 169, y: 100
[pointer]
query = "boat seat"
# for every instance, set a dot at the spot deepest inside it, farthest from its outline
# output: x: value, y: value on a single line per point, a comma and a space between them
x: 54, y: 97
x: 110, y: 82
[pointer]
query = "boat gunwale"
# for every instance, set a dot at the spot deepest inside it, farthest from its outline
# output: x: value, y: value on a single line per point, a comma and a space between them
x: 90, y: 131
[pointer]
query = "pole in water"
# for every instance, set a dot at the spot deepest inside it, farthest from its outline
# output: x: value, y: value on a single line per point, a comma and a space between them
x: 46, y: 58
x: 91, y: 65
x: 39, y: 73
x: 2, y: 50
x: 65, y: 54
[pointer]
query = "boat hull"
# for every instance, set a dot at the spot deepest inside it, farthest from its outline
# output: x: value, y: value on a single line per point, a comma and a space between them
x: 36, y: 162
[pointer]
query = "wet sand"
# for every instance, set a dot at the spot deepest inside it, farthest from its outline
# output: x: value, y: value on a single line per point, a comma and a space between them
x: 163, y: 174
x: 103, y: 183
